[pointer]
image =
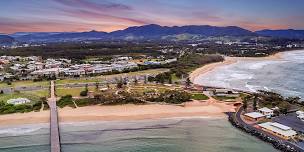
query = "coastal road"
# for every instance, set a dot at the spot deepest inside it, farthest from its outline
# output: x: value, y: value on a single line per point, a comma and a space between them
x: 54, y: 126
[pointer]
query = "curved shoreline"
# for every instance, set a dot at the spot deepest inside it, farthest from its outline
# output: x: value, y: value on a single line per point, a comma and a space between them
x: 228, y: 61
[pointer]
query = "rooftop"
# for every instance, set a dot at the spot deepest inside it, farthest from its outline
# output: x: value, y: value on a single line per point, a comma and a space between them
x: 278, y: 128
x: 265, y: 109
x: 254, y: 115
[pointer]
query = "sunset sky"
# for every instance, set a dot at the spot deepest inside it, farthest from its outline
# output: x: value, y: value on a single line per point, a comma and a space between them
x: 109, y: 15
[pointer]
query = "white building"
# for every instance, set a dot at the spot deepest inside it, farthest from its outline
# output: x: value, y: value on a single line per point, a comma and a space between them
x: 18, y: 101
x: 278, y: 129
x: 266, y: 111
x: 300, y: 115
x: 46, y: 72
x: 76, y: 72
x: 254, y: 116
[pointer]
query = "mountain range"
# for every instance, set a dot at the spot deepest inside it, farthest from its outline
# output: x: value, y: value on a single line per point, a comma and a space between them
x: 149, y: 32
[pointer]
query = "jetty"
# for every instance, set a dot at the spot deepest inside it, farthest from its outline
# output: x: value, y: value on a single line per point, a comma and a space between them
x: 54, y: 124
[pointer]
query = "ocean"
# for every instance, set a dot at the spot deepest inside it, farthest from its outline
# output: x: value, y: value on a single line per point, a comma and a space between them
x: 172, y: 135
x: 283, y: 76
x: 162, y: 135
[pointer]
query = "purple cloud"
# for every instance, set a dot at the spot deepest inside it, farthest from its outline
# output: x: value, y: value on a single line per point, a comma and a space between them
x: 102, y: 6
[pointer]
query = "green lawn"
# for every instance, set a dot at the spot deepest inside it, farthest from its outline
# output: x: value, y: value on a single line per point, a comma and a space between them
x: 40, y: 93
x: 24, y: 83
x: 75, y: 92
x: 199, y: 96
x: 34, y: 105
x: 81, y: 80
x: 224, y: 98
x: 31, y: 96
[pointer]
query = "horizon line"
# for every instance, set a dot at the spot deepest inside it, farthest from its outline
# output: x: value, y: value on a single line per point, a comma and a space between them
x: 3, y: 33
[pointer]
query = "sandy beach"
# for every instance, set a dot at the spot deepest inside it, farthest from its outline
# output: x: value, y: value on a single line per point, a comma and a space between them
x: 229, y: 60
x: 208, y: 108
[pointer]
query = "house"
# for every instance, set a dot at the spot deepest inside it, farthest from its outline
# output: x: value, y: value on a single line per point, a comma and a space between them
x: 77, y: 72
x: 46, y: 72
x: 102, y: 69
x: 152, y: 63
x: 278, y: 129
x: 266, y: 111
x: 254, y: 116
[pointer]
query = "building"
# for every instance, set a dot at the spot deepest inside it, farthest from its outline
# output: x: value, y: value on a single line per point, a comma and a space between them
x: 46, y: 72
x: 278, y: 129
x: 18, y: 101
x: 266, y: 111
x: 254, y: 116
x: 300, y: 115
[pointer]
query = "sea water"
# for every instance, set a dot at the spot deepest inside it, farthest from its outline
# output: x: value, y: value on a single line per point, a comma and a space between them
x: 162, y: 135
x: 285, y: 76
x: 172, y: 135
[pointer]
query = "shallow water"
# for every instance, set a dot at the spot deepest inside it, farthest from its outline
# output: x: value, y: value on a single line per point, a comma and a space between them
x: 284, y: 76
x: 164, y: 135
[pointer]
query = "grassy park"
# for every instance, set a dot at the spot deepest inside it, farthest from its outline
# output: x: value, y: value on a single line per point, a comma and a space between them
x: 75, y: 92
x: 199, y: 96
x: 36, y: 98
x: 24, y: 83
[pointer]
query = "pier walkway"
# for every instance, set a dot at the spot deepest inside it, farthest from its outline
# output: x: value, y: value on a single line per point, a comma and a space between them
x: 54, y: 124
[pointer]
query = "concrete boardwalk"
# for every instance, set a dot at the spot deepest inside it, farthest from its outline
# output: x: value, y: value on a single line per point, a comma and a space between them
x: 54, y: 126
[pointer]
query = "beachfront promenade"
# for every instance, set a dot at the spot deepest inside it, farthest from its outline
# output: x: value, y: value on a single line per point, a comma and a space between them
x: 54, y: 124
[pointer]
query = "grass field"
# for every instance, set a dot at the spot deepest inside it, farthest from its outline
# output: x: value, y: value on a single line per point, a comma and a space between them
x: 24, y: 83
x: 75, y: 92
x: 199, y: 96
x: 80, y: 80
x: 39, y: 93
x: 224, y: 98
x: 34, y: 96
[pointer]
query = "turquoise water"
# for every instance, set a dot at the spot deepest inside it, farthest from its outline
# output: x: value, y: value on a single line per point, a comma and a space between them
x: 164, y: 135
x: 28, y: 138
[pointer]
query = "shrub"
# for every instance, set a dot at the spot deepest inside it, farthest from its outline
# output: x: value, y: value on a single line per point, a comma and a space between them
x: 84, y: 93
x: 66, y: 101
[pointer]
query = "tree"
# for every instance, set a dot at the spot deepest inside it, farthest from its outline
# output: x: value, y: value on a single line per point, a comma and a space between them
x: 151, y: 79
x: 86, y: 87
x: 85, y: 91
x: 170, y: 79
x: 145, y: 81
x: 119, y: 84
x: 96, y: 85
x: 135, y: 81
x: 188, y: 82
x: 293, y: 100
x: 255, y: 102
x: 245, y: 103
